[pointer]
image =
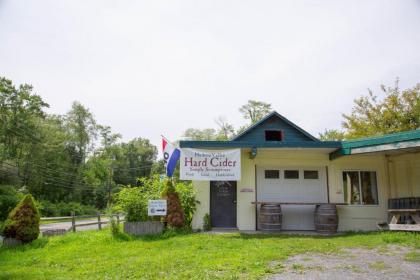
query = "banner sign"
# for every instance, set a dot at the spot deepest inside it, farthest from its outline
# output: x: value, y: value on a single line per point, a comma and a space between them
x: 210, y: 165
x: 156, y: 207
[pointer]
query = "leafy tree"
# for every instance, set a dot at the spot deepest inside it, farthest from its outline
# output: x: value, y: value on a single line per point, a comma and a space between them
x: 133, y: 160
x: 226, y: 130
x: 23, y: 221
x: 82, y: 129
x: 200, y: 134
x: 331, y: 135
x: 397, y: 111
x: 255, y: 110
x: 20, y: 113
x: 9, y: 198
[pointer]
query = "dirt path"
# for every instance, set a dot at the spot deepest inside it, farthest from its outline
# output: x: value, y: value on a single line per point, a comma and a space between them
x: 384, y: 263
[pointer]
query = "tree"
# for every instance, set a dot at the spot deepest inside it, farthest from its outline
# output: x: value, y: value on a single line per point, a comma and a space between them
x: 23, y: 221
x: 200, y: 134
x: 371, y: 116
x: 397, y: 111
x: 255, y: 110
x: 133, y: 160
x: 331, y: 135
x: 20, y: 113
x: 82, y: 129
x: 226, y: 130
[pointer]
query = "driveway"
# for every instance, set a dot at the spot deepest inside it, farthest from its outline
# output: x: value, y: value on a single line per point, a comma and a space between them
x: 392, y: 262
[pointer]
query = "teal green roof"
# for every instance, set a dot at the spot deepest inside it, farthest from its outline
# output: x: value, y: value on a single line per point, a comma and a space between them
x: 394, y: 141
x: 260, y: 144
x: 384, y: 139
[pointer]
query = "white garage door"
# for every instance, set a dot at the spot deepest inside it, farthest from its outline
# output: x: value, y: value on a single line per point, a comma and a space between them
x: 292, y: 184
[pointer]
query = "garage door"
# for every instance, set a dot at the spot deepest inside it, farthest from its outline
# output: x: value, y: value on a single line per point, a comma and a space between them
x: 291, y: 184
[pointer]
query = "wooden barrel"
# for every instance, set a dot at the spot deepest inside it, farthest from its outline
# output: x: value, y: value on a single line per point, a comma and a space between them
x: 270, y: 217
x: 326, y: 218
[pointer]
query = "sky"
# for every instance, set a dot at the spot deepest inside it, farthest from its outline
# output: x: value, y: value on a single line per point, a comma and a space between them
x: 148, y: 68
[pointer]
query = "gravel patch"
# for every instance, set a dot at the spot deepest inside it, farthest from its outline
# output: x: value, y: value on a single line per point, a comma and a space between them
x: 381, y: 263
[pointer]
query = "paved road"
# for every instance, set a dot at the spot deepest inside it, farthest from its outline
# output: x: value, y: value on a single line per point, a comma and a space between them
x: 67, y: 225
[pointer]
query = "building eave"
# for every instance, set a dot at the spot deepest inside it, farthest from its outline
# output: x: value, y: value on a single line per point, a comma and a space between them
x: 247, y: 144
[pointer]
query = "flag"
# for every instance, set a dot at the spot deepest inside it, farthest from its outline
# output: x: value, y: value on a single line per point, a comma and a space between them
x: 171, y: 155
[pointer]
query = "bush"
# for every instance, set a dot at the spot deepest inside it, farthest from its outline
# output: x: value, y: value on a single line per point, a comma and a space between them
x: 133, y: 200
x: 113, y: 224
x: 187, y: 195
x: 9, y: 198
x: 175, y: 216
x: 23, y: 221
x: 206, y: 222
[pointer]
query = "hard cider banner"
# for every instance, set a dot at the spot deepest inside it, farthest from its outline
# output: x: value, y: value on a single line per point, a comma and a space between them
x: 210, y: 165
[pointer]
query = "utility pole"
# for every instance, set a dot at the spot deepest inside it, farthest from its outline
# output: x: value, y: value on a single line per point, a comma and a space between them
x: 110, y: 174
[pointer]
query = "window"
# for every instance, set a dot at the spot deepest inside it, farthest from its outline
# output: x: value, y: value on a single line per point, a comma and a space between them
x: 272, y: 174
x: 310, y: 174
x: 273, y: 135
x: 360, y: 187
x: 291, y: 174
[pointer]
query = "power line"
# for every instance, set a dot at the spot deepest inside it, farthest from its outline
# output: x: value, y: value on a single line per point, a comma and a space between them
x: 46, y: 172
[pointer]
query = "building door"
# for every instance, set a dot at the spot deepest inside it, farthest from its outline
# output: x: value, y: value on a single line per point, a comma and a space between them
x: 223, y: 204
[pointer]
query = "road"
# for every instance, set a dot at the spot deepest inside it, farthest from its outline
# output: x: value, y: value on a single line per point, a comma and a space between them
x: 67, y: 225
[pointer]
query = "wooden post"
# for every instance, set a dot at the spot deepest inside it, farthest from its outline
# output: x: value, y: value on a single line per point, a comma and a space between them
x: 118, y: 218
x: 328, y: 184
x: 73, y: 221
x: 99, y: 221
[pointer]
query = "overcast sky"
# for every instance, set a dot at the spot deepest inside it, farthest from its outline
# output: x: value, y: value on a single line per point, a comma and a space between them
x: 148, y: 68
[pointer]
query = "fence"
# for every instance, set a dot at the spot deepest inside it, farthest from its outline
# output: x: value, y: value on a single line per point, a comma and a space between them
x: 96, y: 220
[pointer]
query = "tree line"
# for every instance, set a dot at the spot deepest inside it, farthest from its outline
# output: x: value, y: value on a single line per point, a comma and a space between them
x: 69, y: 157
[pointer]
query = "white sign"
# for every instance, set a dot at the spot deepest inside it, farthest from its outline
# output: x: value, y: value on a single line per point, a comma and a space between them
x: 210, y: 165
x: 156, y: 207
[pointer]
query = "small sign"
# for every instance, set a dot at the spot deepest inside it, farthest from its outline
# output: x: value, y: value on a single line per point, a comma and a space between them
x: 247, y: 190
x: 156, y: 207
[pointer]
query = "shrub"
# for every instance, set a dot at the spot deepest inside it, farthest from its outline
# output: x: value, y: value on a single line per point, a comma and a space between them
x: 206, y: 222
x: 9, y: 198
x: 187, y: 194
x: 175, y: 216
x: 23, y: 221
x: 133, y: 202
x: 113, y: 224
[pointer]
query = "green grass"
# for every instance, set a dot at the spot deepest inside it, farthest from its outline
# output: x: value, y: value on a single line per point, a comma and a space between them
x: 378, y: 265
x: 413, y: 256
x: 98, y: 255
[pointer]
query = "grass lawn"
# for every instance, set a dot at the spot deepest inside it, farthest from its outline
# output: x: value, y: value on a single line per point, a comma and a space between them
x: 98, y: 255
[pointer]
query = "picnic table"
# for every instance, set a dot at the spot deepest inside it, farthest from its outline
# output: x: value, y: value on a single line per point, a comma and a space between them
x: 412, y: 214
